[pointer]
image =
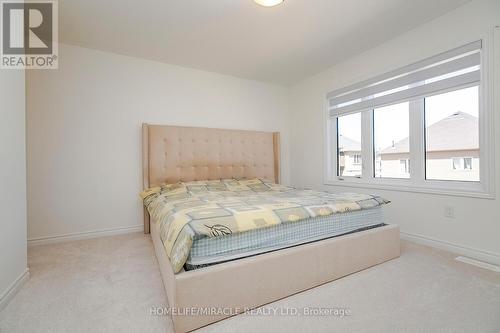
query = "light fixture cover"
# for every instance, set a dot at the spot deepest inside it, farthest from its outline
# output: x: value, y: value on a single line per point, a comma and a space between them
x: 269, y: 3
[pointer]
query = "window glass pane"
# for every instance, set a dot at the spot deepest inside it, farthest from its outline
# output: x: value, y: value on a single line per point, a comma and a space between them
x: 405, y: 166
x: 468, y: 163
x: 391, y: 126
x: 457, y: 164
x: 349, y: 145
x: 452, y: 135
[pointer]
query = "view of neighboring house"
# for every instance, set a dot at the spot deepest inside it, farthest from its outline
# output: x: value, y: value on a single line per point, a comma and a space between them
x: 452, y: 152
x: 349, y: 157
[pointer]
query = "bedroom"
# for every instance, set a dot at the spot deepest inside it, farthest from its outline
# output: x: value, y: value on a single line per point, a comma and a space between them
x: 320, y: 97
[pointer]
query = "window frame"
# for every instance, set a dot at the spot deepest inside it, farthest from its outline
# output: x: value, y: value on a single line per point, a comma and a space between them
x: 417, y: 182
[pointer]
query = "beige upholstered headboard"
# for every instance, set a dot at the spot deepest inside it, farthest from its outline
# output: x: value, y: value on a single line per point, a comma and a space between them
x: 173, y: 153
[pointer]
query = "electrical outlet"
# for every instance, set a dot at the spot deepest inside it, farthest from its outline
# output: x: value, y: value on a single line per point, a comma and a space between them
x: 449, y: 212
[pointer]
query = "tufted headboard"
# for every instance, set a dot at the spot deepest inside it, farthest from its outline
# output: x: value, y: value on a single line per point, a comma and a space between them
x: 173, y: 153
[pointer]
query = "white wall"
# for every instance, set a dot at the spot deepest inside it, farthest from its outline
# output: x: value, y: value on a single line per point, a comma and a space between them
x: 476, y: 224
x: 84, y: 131
x: 13, y: 266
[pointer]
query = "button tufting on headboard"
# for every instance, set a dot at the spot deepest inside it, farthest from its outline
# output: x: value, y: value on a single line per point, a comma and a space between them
x: 186, y: 153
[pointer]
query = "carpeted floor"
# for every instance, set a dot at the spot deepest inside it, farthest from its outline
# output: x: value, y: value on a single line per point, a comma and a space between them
x: 110, y: 285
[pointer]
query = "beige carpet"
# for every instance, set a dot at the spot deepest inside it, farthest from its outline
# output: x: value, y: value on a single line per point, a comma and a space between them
x: 110, y: 284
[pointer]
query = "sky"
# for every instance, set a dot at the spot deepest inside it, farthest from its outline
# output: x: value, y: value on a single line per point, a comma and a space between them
x: 391, y: 122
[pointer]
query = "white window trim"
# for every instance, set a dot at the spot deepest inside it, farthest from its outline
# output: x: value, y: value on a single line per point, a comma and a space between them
x: 417, y: 183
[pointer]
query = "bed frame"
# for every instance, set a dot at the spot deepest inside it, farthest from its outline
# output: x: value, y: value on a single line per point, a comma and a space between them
x: 172, y: 154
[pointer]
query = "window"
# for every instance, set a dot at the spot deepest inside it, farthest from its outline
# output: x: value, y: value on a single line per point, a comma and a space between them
x: 468, y: 163
x: 349, y: 145
x: 451, y: 127
x: 391, y: 131
x: 432, y: 115
x: 405, y: 166
x: 462, y: 163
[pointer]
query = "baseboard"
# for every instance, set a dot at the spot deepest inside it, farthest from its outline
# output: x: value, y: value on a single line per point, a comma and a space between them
x: 85, y: 235
x: 13, y: 289
x: 488, y: 257
x: 478, y: 263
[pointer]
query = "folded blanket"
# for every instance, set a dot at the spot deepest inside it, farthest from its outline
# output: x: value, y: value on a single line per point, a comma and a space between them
x: 189, y: 211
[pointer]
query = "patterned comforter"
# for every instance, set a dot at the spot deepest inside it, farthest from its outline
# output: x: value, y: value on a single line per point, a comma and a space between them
x: 189, y: 211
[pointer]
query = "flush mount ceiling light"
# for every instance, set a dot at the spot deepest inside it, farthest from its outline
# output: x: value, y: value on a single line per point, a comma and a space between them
x: 269, y: 3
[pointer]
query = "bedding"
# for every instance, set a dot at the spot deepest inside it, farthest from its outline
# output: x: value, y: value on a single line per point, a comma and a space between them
x: 196, y: 210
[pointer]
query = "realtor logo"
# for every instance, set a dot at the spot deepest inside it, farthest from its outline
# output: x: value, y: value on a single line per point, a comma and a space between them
x: 29, y: 34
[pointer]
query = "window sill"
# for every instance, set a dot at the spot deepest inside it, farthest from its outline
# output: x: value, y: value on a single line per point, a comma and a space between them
x: 404, y: 186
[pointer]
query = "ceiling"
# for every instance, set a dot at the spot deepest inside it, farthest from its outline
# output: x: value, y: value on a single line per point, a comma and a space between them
x: 282, y: 44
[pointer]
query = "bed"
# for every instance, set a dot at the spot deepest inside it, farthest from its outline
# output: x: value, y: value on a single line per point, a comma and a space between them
x: 214, y: 275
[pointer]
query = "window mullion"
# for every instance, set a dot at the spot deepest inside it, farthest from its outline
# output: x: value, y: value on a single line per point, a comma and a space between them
x: 367, y: 145
x: 417, y: 142
x: 332, y: 148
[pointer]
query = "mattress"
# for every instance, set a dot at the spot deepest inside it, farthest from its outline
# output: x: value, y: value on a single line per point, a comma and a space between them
x: 210, y: 251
